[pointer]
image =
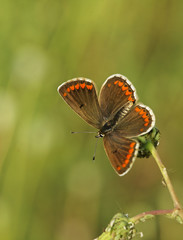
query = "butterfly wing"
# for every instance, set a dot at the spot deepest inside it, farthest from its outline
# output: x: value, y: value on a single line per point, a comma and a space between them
x: 80, y: 94
x: 139, y: 120
x: 116, y: 91
x: 121, y: 152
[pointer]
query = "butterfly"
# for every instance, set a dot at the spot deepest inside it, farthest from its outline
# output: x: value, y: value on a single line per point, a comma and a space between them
x: 114, y: 113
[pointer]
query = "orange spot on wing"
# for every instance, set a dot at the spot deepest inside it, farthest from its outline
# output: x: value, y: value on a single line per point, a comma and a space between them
x: 142, y: 112
x: 109, y: 84
x: 130, y: 99
x: 72, y: 87
x: 128, y: 156
x: 126, y: 161
x: 137, y: 109
x: 120, y: 84
x: 145, y: 115
x: 131, y: 150
x: 65, y: 94
x: 123, y: 165
x: 118, y: 168
x: 132, y: 144
x: 141, y: 129
x: 146, y: 124
x: 124, y: 88
x: 146, y: 119
x: 89, y: 87
x: 116, y: 82
x: 68, y: 90
x: 127, y: 93
x: 77, y: 86
x: 82, y: 85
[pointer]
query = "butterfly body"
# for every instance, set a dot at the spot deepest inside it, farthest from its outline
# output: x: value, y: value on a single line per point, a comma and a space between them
x: 115, y: 114
x: 110, y: 125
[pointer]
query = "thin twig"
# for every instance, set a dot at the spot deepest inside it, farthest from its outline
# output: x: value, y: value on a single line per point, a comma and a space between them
x: 166, y: 178
x: 152, y: 213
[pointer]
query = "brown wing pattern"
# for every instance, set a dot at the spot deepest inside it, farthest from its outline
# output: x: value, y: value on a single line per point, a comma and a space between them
x: 121, y: 152
x: 115, y: 92
x: 138, y: 121
x: 80, y: 95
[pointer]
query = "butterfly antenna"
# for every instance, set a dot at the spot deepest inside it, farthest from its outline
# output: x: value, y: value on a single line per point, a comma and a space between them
x: 95, y: 149
x: 82, y: 132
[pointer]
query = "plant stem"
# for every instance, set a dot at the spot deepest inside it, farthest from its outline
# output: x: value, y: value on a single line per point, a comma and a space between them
x: 166, y: 178
x: 140, y: 217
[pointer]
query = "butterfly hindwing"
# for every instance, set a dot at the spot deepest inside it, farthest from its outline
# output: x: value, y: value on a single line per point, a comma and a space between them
x: 116, y: 91
x: 121, y: 152
x: 139, y: 120
x: 80, y: 94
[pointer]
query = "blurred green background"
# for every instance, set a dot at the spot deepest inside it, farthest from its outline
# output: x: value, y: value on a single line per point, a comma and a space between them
x: 49, y: 186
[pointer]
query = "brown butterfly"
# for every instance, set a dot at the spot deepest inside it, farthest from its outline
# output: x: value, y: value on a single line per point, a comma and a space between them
x: 114, y: 113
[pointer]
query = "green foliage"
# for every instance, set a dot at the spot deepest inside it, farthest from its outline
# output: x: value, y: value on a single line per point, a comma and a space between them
x: 120, y: 228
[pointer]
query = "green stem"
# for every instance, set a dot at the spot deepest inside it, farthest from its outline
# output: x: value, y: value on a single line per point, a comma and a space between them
x: 166, y: 178
x: 123, y: 227
x: 150, y: 214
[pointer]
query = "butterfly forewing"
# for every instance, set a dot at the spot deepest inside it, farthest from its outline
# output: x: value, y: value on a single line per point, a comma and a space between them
x: 138, y: 121
x: 116, y: 91
x: 80, y: 94
x: 121, y: 152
